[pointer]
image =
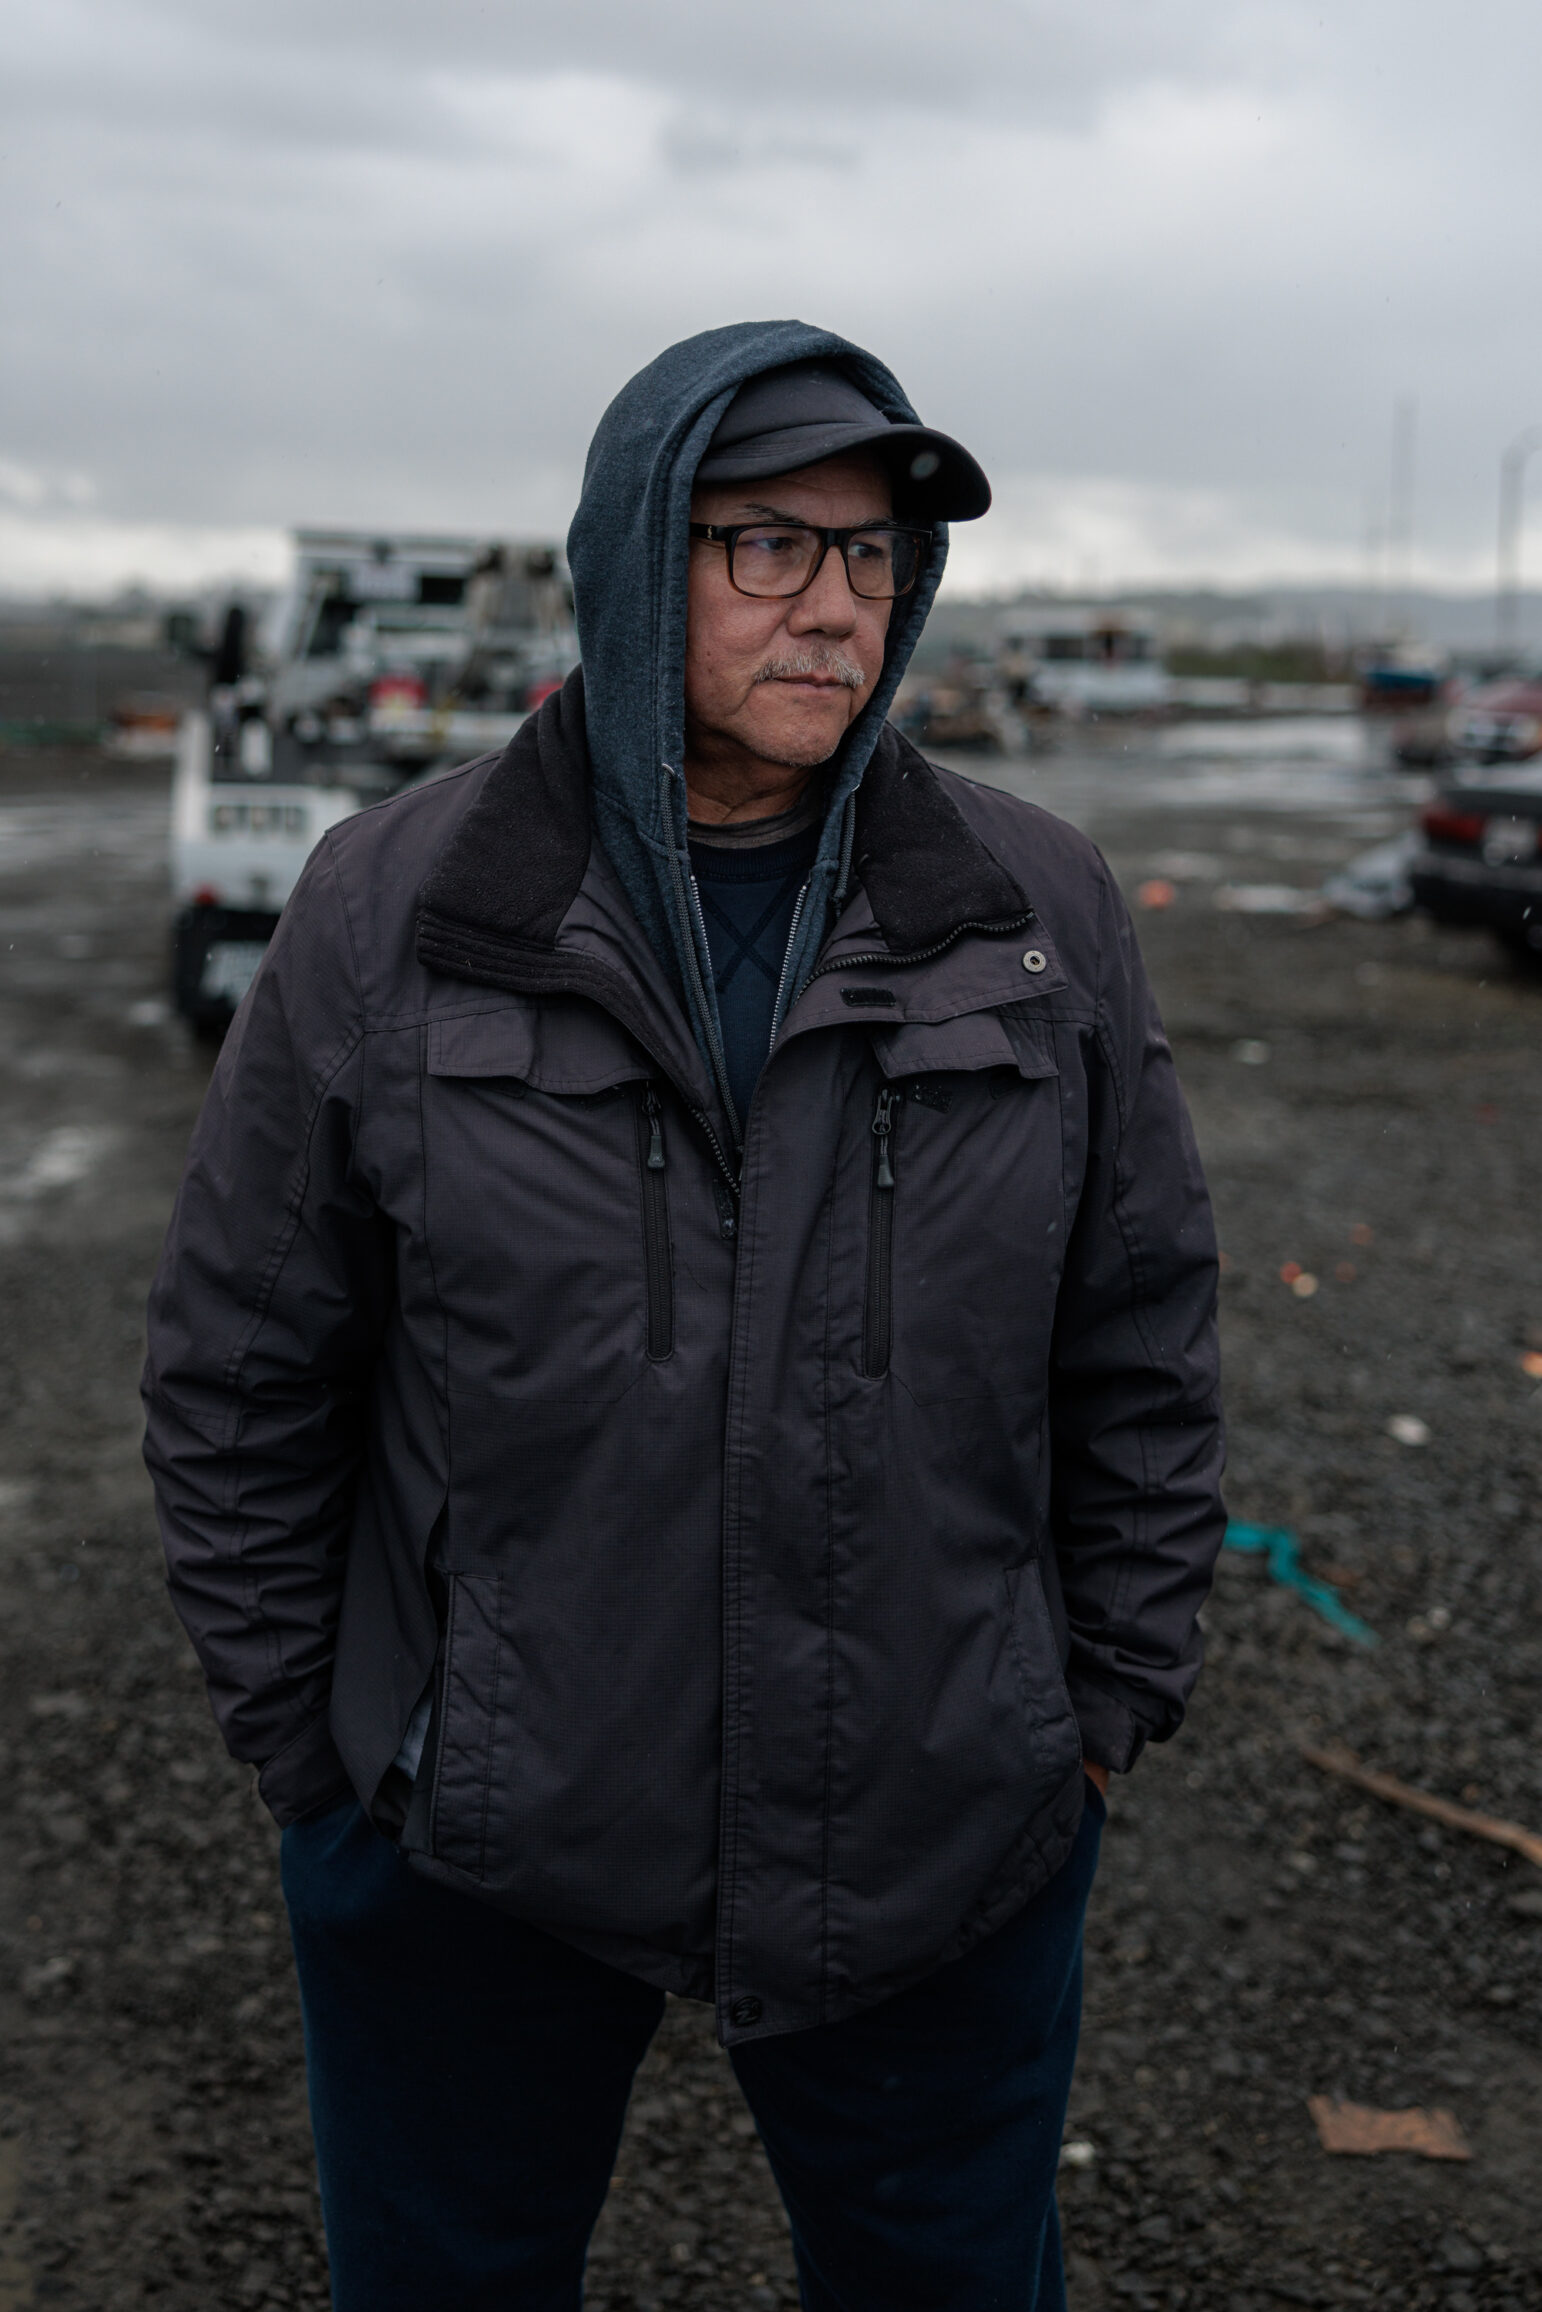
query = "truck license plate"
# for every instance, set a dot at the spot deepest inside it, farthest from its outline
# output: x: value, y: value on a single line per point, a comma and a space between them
x: 230, y: 966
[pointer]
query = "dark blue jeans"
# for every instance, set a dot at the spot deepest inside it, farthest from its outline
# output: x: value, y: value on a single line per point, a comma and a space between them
x: 469, y: 2079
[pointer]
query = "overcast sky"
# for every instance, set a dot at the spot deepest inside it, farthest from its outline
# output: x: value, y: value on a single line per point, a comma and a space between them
x: 1166, y: 265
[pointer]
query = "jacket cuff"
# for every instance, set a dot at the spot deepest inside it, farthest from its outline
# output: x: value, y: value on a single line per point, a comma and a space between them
x: 306, y: 1774
x: 1112, y: 1735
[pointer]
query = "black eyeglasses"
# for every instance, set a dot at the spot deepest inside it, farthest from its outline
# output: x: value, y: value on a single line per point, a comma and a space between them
x: 774, y: 560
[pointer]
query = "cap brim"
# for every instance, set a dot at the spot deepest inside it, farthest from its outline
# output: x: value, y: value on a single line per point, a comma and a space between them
x: 950, y: 486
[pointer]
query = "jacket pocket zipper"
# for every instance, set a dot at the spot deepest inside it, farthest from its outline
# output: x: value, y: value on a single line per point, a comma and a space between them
x: 877, y: 1316
x: 655, y: 1215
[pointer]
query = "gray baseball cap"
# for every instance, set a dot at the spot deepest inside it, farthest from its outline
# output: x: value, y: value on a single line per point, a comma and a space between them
x: 808, y: 410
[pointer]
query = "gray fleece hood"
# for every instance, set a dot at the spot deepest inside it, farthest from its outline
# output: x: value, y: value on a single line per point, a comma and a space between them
x: 628, y: 549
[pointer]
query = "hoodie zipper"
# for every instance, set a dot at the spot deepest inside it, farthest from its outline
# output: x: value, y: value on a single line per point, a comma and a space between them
x: 655, y: 1218
x: 877, y: 1314
x: 781, y: 985
x: 689, y: 903
x: 719, y: 1061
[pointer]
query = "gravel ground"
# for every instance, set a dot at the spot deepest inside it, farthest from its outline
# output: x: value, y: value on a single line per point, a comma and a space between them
x: 1368, y: 1100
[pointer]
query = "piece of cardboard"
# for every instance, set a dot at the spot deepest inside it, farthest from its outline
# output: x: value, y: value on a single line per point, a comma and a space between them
x: 1360, y: 2127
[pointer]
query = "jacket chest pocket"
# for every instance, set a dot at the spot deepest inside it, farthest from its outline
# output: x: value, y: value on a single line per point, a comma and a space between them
x: 658, y: 1260
x: 546, y: 1152
x: 964, y: 1227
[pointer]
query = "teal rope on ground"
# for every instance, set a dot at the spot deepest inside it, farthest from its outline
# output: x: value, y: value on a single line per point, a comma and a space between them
x: 1278, y: 1544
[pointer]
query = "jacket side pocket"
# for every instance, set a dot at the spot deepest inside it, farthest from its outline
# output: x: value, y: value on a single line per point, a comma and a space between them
x: 1041, y: 1675
x: 469, y: 1702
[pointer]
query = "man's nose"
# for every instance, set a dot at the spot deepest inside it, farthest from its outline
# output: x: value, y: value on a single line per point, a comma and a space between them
x: 828, y: 605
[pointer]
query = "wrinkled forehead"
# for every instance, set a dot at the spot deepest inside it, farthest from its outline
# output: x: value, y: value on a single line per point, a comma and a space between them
x: 835, y: 492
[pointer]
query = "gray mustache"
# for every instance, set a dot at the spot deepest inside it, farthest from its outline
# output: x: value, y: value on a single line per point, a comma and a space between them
x: 806, y: 662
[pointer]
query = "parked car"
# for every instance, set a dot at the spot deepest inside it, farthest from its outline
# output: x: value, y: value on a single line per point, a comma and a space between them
x: 1480, y: 856
x: 1499, y: 722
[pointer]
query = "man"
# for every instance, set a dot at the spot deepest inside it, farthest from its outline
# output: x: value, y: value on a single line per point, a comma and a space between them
x: 682, y: 1399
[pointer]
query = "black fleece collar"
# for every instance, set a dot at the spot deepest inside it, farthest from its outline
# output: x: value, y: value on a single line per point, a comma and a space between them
x: 511, y: 871
x: 513, y: 866
x: 926, y: 872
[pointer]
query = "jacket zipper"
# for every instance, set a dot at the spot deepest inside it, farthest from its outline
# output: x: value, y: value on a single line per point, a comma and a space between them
x: 877, y: 1314
x: 874, y: 959
x: 655, y: 1215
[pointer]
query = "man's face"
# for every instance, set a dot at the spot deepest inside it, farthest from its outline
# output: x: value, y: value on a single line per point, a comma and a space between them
x: 782, y: 681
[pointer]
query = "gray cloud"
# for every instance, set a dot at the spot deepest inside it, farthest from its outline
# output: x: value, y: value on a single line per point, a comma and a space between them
x: 1166, y: 268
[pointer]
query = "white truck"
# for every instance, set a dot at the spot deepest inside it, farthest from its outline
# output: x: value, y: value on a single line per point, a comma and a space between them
x: 386, y: 658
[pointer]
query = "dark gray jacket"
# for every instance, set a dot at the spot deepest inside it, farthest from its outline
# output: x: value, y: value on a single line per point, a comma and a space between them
x: 776, y: 1556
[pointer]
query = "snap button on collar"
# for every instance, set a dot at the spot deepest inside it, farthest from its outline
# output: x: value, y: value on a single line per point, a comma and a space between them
x: 1034, y: 960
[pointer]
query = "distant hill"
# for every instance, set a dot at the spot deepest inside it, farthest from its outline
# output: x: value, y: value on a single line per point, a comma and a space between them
x: 1338, y: 618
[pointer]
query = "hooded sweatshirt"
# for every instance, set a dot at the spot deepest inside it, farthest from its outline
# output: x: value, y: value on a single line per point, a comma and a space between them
x: 628, y: 550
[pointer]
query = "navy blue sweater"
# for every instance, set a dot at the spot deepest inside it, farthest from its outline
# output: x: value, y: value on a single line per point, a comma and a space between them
x: 748, y: 893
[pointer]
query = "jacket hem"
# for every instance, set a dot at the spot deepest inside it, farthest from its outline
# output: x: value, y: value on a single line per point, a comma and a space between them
x: 688, y: 1975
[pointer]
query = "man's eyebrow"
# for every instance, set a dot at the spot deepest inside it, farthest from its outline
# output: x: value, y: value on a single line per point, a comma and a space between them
x: 759, y: 513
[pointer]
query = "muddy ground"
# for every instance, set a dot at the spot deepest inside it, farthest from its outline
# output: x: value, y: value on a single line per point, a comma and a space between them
x: 1369, y: 1102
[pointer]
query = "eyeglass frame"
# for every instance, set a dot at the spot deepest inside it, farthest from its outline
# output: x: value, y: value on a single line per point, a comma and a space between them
x: 728, y: 535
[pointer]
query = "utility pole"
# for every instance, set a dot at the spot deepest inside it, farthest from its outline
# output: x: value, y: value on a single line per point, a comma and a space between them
x: 1512, y: 476
x: 1375, y: 544
x: 1400, y: 526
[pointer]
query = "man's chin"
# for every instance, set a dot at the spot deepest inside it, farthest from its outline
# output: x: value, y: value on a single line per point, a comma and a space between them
x: 793, y: 758
x: 794, y: 748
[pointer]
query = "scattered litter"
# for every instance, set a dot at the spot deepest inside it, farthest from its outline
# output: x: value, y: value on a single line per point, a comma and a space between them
x: 1188, y: 866
x: 1265, y: 899
x: 1077, y: 2153
x: 1361, y: 1233
x: 1360, y: 2127
x: 1408, y: 1429
x: 1300, y: 1280
x: 1376, y: 884
x: 47, y: 1975
x: 1531, y: 1364
x: 1280, y: 1548
x: 1498, y: 1832
x: 1158, y: 892
x: 1250, y: 1051
x: 67, y: 1154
